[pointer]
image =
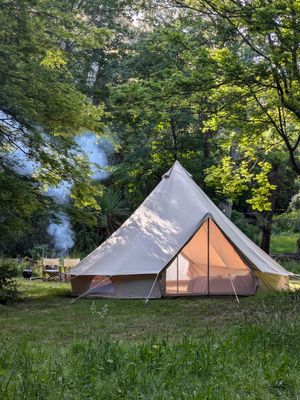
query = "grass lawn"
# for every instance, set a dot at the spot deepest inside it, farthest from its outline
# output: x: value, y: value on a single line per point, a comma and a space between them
x: 284, y: 243
x: 187, y: 348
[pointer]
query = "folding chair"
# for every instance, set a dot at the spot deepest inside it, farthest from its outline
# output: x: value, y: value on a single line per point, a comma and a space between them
x: 51, y: 269
x: 69, y: 263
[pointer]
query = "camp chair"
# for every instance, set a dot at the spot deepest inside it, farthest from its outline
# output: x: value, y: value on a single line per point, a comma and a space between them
x: 69, y: 263
x: 51, y: 269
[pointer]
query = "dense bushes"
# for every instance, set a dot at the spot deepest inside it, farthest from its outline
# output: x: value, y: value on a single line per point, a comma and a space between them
x: 288, y: 222
x: 246, y: 225
x: 8, y: 286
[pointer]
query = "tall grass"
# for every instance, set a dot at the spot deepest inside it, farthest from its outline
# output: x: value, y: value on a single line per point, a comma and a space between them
x: 210, y: 348
x: 254, y: 362
x: 284, y: 243
x: 291, y: 265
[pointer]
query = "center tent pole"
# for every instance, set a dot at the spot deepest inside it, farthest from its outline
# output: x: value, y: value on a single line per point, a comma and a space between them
x: 208, y: 255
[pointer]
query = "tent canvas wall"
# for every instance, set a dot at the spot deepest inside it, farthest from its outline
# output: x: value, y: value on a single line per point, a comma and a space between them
x: 177, y: 242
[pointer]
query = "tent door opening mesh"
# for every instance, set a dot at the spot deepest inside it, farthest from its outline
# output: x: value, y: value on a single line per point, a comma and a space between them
x: 209, y: 264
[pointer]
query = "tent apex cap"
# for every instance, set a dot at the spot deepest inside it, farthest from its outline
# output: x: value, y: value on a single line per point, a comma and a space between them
x: 176, y: 165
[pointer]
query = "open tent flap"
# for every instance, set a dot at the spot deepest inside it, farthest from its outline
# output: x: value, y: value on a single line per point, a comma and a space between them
x: 209, y: 264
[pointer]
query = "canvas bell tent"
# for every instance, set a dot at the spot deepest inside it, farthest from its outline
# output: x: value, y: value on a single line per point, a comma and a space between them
x: 177, y: 243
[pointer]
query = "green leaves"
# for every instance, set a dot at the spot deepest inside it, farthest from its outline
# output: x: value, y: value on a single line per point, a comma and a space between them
x: 214, y: 84
x: 233, y: 178
x: 261, y: 192
x: 44, y: 46
x: 113, y: 210
x: 54, y: 59
x: 229, y: 178
x: 39, y: 65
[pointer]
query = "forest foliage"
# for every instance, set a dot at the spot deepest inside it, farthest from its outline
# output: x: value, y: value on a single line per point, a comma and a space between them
x: 214, y: 84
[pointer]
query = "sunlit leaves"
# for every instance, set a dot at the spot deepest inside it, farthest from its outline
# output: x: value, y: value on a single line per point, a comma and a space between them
x: 261, y: 192
x: 233, y: 178
x: 54, y: 59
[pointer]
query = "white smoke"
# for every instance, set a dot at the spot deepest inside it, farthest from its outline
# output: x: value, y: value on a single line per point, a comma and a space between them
x: 60, y: 194
x: 18, y: 158
x: 10, y: 124
x: 93, y: 148
x: 62, y: 234
x: 21, y: 164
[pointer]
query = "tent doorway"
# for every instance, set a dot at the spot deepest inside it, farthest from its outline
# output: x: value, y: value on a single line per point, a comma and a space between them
x: 209, y: 264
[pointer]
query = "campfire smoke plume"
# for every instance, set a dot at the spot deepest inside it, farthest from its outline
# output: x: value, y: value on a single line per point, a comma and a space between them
x: 96, y: 151
x: 62, y: 234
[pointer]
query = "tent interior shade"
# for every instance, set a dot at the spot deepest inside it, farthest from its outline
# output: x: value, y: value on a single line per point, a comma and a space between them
x: 209, y: 264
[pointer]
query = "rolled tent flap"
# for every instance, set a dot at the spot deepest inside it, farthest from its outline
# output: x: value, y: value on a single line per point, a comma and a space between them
x: 167, y: 236
x: 122, y: 287
x: 80, y: 284
x: 269, y: 282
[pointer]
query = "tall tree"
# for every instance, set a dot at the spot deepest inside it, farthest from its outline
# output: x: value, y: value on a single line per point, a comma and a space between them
x: 43, y: 45
x: 160, y: 107
x: 260, y: 56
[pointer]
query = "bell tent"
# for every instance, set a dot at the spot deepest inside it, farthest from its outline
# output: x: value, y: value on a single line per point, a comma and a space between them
x: 178, y: 242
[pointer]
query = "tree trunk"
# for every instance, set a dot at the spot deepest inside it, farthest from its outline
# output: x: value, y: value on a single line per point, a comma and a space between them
x: 174, y: 137
x: 266, y: 238
x: 266, y: 227
x: 226, y: 207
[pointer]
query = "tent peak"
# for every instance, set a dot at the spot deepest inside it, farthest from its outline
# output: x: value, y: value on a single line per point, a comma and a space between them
x: 176, y: 166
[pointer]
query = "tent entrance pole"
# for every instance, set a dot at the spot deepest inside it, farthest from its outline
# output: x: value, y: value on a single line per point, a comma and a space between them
x: 233, y: 287
x: 208, y: 256
x: 152, y: 287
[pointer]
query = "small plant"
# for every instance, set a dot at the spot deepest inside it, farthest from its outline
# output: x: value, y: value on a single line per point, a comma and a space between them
x: 102, y: 313
x: 8, y: 285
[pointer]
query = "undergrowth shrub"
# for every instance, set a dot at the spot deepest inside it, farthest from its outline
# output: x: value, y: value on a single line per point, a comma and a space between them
x: 8, y: 285
x: 288, y: 222
x: 246, y: 225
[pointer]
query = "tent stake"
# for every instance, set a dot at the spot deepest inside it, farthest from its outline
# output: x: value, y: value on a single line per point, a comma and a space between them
x: 147, y: 299
x: 236, y: 296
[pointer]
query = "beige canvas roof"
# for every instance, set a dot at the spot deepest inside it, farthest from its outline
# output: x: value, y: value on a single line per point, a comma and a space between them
x: 153, y: 235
